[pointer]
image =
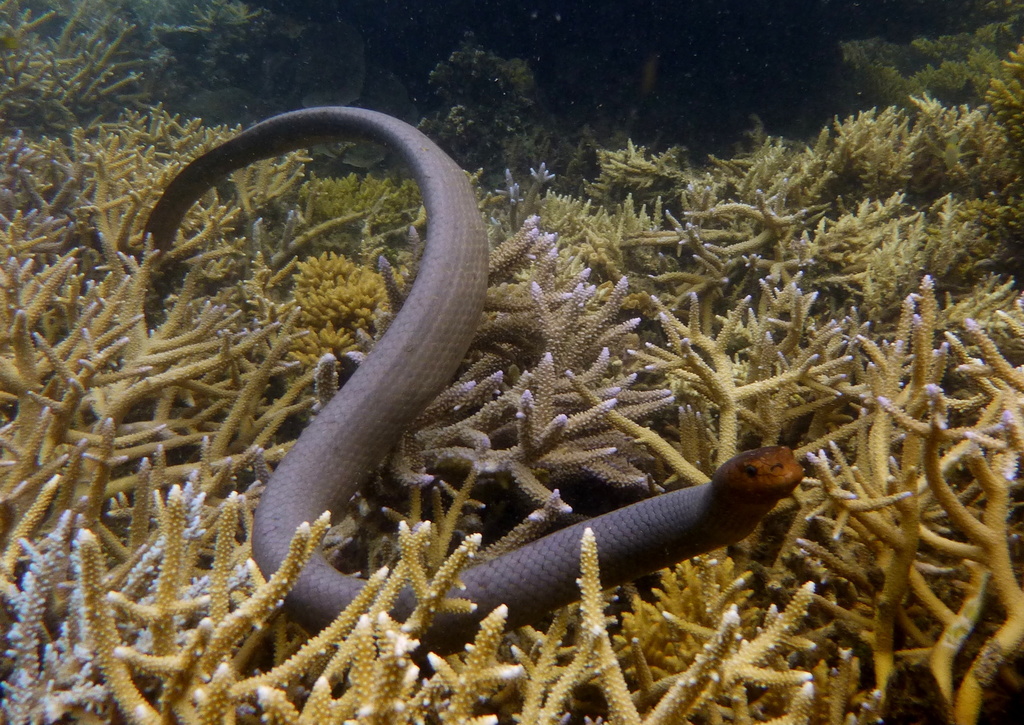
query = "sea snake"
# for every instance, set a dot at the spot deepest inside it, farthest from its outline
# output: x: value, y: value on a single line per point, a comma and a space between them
x: 408, y: 366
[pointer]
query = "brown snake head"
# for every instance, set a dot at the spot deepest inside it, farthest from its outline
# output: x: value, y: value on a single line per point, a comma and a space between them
x: 760, y: 476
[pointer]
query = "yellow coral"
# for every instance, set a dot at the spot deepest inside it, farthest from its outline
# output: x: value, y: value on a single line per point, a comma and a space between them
x: 633, y: 172
x: 1001, y: 215
x: 913, y: 427
x: 378, y: 209
x: 68, y: 65
x: 596, y: 236
x: 336, y: 297
x: 687, y: 607
x: 1007, y: 97
x: 955, y: 67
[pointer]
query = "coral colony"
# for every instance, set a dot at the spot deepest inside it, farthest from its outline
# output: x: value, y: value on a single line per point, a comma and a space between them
x: 851, y: 298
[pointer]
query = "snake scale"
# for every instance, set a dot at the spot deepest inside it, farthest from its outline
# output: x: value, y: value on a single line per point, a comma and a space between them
x: 421, y: 350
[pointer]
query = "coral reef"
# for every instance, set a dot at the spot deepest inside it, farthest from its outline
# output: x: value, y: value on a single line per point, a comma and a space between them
x: 492, y: 111
x: 877, y: 200
x: 369, y: 213
x: 210, y: 51
x: 336, y: 299
x: 68, y: 65
x: 955, y: 68
x: 1001, y: 214
x: 838, y: 297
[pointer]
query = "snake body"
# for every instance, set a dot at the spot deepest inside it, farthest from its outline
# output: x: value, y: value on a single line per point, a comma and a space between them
x: 407, y: 367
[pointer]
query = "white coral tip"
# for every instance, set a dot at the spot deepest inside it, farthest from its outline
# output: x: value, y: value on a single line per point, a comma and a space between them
x: 731, y: 616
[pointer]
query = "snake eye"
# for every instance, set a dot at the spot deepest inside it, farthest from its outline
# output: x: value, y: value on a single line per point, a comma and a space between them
x: 750, y: 470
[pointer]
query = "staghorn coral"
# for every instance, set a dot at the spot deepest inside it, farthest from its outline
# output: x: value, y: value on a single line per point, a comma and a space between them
x: 1002, y: 213
x: 909, y: 183
x: 1005, y: 95
x: 89, y: 389
x: 536, y: 424
x: 785, y: 304
x: 954, y: 67
x: 663, y: 634
x: 913, y: 183
x: 148, y: 638
x: 630, y: 172
x: 598, y: 238
x: 907, y: 495
x: 39, y: 191
x: 752, y: 375
x: 381, y: 209
x: 69, y: 64
x: 909, y: 512
x: 714, y: 683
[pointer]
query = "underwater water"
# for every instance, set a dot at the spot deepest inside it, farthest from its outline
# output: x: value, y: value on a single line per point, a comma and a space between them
x: 727, y: 240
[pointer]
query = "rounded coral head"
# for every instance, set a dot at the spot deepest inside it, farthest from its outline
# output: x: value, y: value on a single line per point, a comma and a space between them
x: 761, y: 476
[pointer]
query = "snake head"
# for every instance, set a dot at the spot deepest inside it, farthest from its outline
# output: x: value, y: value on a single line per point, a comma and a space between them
x: 763, y: 475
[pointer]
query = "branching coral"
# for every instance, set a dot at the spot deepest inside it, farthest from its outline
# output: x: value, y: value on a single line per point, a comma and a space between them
x: 926, y: 495
x: 910, y: 184
x: 784, y: 372
x: 915, y: 447
x: 954, y: 67
x: 663, y: 634
x: 773, y: 297
x: 715, y: 682
x: 1002, y: 214
x: 39, y: 191
x: 1007, y: 98
x: 127, y: 167
x: 598, y: 238
x: 149, y: 638
x: 88, y: 389
x: 381, y: 210
x: 536, y: 423
x: 86, y: 72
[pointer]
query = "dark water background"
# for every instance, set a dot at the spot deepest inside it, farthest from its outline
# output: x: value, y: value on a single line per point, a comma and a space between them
x: 662, y: 71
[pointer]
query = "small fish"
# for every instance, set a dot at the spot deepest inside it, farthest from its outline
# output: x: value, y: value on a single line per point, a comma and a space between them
x: 363, y: 155
x: 649, y: 75
x: 9, y: 42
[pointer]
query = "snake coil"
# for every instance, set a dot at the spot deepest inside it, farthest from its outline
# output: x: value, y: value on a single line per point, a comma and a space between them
x: 407, y: 367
